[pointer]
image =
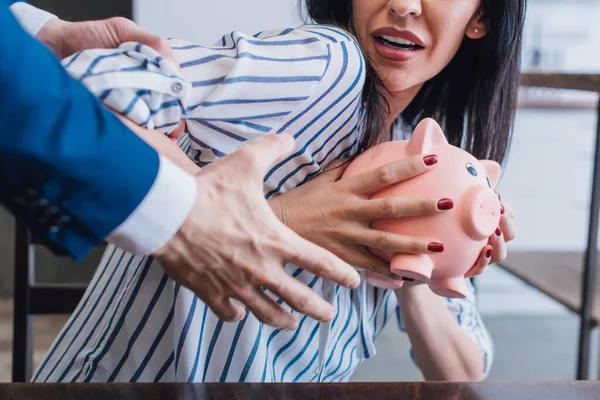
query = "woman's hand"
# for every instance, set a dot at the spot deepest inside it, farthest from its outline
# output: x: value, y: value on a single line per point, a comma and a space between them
x: 495, y: 251
x: 336, y: 214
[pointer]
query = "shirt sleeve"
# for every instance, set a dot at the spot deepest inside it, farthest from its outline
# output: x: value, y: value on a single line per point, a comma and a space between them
x: 32, y: 19
x: 307, y: 82
x: 160, y: 214
x: 468, y: 317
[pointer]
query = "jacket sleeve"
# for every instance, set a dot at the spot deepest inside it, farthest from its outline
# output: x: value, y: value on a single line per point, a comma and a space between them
x: 69, y: 167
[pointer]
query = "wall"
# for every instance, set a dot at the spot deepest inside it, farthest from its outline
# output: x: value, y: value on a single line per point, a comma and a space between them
x: 205, y: 21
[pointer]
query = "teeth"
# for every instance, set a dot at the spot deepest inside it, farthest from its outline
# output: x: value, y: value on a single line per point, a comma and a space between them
x: 398, y: 40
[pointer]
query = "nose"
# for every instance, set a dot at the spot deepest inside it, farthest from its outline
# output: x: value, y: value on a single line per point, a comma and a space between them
x: 405, y: 8
x: 480, y: 213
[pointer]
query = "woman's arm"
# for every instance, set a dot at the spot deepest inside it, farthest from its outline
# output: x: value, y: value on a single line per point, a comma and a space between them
x: 442, y: 348
x: 449, y: 339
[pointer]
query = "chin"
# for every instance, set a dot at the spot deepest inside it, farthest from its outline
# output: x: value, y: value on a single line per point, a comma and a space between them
x: 398, y: 80
x: 398, y: 85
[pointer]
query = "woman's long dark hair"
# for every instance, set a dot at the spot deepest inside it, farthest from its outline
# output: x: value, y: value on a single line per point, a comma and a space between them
x: 474, y: 98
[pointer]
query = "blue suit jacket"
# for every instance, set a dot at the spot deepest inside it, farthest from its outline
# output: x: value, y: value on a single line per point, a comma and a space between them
x: 68, y: 167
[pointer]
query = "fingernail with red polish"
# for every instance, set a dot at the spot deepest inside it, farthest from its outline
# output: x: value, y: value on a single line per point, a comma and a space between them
x: 488, y: 253
x: 498, y: 232
x: 435, y: 247
x: 445, y: 204
x: 407, y: 279
x: 430, y: 160
x: 502, y: 210
x: 499, y: 198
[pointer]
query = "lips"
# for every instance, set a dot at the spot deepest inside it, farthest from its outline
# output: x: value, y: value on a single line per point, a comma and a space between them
x: 396, y: 45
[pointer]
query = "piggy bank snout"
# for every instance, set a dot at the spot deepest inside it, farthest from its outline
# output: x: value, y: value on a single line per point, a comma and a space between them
x: 481, y: 212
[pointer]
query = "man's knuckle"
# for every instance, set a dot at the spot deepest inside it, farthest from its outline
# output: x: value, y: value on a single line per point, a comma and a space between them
x: 122, y: 25
x: 303, y: 303
x: 120, y: 21
x: 212, y: 299
x: 276, y: 285
x: 244, y: 293
x: 322, y: 267
x: 250, y: 158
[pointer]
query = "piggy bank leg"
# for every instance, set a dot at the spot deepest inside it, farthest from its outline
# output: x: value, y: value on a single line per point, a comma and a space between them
x: 412, y: 266
x: 452, y: 287
x: 383, y: 282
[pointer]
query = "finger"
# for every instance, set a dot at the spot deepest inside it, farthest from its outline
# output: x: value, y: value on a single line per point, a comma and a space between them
x: 266, y: 309
x: 379, y: 178
x: 508, y: 228
x: 482, y: 262
x: 125, y: 30
x: 332, y: 173
x: 298, y: 296
x: 498, y: 247
x: 264, y: 154
x: 162, y: 145
x: 366, y: 260
x: 508, y: 210
x: 224, y: 308
x: 178, y: 132
x: 397, y: 243
x: 396, y: 207
x: 319, y: 261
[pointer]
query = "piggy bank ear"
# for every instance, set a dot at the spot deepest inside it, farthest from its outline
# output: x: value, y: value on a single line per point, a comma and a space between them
x: 426, y: 135
x: 493, y: 170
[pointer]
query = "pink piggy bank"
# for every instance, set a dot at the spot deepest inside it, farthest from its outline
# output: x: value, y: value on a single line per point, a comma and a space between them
x: 464, y: 230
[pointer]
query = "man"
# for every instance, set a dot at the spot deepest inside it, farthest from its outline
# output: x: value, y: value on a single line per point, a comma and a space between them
x: 78, y: 176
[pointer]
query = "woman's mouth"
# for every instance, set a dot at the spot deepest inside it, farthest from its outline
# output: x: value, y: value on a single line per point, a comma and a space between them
x: 397, y: 43
x: 398, y: 46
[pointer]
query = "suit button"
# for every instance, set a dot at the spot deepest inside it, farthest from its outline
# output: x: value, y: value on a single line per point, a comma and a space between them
x: 23, y: 196
x: 42, y: 211
x: 58, y: 223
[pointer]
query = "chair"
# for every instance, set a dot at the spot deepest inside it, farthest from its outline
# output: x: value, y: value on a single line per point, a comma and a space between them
x: 32, y: 299
x: 569, y: 278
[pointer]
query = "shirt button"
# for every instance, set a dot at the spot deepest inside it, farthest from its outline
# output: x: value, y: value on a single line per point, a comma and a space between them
x: 177, y: 87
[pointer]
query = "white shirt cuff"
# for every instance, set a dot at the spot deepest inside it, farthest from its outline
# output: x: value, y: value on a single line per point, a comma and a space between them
x: 31, y: 19
x: 161, y: 213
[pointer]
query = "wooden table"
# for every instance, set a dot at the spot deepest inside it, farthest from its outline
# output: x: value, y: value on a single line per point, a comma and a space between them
x: 347, y: 391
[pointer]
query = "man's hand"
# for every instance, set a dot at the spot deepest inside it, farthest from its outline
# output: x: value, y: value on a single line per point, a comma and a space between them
x: 232, y: 245
x: 66, y: 38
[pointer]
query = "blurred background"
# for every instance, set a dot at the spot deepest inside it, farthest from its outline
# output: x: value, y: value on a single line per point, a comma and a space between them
x: 529, y: 304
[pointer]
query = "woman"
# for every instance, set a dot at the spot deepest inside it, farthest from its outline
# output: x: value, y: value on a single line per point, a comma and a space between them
x: 454, y: 60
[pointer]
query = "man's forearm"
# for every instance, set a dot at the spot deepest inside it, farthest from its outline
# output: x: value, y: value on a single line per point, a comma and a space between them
x: 443, y: 351
x: 73, y: 160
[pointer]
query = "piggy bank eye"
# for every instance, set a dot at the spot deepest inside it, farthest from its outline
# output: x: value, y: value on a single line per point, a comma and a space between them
x: 471, y: 169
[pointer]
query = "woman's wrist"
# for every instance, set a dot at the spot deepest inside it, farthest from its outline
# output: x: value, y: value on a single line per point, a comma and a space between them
x: 277, y: 208
x: 421, y: 298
